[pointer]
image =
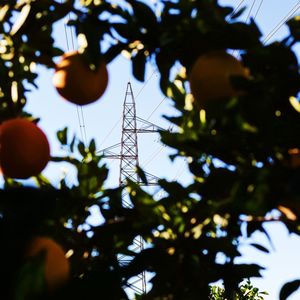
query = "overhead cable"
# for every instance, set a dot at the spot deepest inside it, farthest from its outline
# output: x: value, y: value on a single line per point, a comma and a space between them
x: 294, y: 9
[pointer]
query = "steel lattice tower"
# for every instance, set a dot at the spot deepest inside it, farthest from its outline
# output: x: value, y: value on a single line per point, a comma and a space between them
x: 129, y: 161
x: 129, y: 141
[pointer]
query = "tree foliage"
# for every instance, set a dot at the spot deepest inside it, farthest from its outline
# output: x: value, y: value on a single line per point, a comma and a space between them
x: 246, y: 291
x: 240, y: 153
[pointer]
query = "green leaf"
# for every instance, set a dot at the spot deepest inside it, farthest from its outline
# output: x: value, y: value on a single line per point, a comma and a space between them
x: 288, y: 289
x: 72, y: 143
x: 139, y: 65
x: 260, y: 247
x: 238, y: 13
x: 142, y: 175
x: 31, y: 280
x: 92, y: 146
x: 56, y: 51
x: 93, y: 30
x: 174, y: 188
x: 62, y: 136
x: 294, y: 26
x: 123, y: 29
x: 81, y: 149
x: 114, y: 51
x: 164, y: 61
x: 143, y: 13
x: 177, y: 93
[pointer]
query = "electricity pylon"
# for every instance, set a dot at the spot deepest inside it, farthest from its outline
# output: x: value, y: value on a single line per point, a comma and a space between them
x: 129, y: 162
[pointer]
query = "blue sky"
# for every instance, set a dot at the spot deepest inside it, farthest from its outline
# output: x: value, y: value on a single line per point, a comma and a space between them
x: 102, y: 121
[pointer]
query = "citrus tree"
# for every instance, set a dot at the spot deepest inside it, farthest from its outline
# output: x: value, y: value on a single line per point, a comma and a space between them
x: 246, y: 291
x: 238, y: 127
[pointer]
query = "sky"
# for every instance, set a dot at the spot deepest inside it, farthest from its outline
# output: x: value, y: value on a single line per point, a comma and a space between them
x: 102, y: 122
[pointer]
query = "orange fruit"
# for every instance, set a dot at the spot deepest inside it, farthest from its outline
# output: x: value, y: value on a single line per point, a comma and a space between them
x: 294, y: 158
x: 24, y: 148
x: 76, y: 82
x: 210, y: 76
x: 57, y: 266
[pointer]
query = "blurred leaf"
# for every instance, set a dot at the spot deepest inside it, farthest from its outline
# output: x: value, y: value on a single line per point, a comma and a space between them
x: 57, y: 51
x: 93, y: 29
x: 42, y: 180
x: 123, y: 29
x: 81, y: 149
x: 174, y: 188
x: 260, y: 247
x: 21, y: 19
x: 31, y: 279
x: 288, y: 289
x: 294, y: 26
x: 72, y: 143
x: 92, y: 146
x: 237, y: 14
x: 3, y: 11
x: 62, y: 136
x: 114, y: 51
x: 164, y: 61
x: 143, y: 13
x: 142, y: 175
x: 139, y: 65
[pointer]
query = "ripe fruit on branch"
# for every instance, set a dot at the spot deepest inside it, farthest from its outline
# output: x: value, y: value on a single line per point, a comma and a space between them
x: 57, y: 266
x: 24, y: 148
x: 210, y: 77
x: 76, y: 82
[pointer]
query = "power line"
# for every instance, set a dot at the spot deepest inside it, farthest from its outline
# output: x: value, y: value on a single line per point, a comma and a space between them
x: 156, y: 108
x: 259, y: 8
x: 66, y: 35
x: 180, y: 171
x: 182, y: 168
x: 68, y: 48
x: 282, y: 22
x: 80, y: 127
x: 110, y: 132
x: 247, y: 19
x: 250, y: 11
x: 154, y: 71
x: 80, y: 115
x: 72, y: 38
x: 236, y: 9
x: 293, y: 10
x: 153, y: 156
x: 79, y: 107
x: 165, y: 97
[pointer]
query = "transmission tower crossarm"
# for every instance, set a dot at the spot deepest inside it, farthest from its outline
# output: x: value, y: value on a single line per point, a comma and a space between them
x: 108, y: 153
x: 151, y: 180
x: 145, y: 130
x: 145, y: 126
